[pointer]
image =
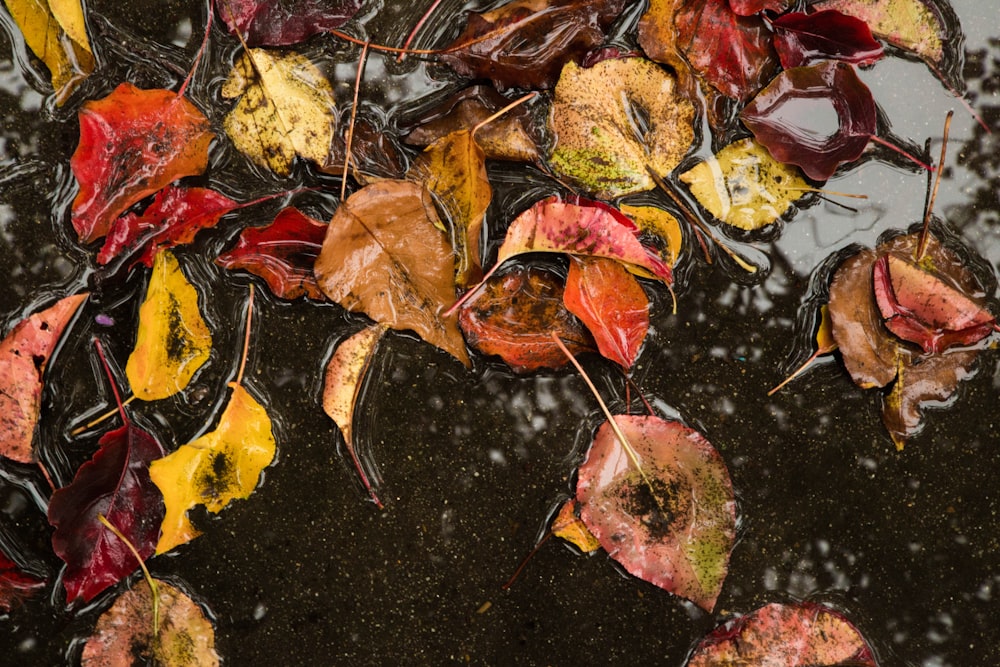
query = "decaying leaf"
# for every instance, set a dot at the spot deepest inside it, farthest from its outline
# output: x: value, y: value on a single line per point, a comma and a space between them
x: 616, y: 120
x: 16, y: 586
x: 672, y: 520
x: 125, y: 632
x: 662, y: 226
x: 744, y: 186
x: 385, y: 255
x: 658, y: 36
x: 571, y: 528
x: 56, y: 32
x: 284, y: 22
x: 173, y: 340
x: 913, y: 25
x: 286, y: 109
x: 24, y: 354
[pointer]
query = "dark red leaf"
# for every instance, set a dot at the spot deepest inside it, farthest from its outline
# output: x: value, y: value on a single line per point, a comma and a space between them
x: 132, y: 143
x: 816, y: 117
x: 15, y: 585
x: 174, y: 218
x: 525, y: 43
x: 282, y: 253
x: 801, y: 39
x: 515, y: 317
x: 733, y: 53
x: 284, y: 22
x: 115, y: 483
x: 751, y: 7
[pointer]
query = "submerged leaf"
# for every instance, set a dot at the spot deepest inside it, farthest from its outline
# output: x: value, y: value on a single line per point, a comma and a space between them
x: 16, y: 586
x: 284, y: 22
x: 173, y: 340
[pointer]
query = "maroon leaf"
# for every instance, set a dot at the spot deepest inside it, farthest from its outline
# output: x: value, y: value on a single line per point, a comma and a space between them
x: 284, y: 22
x: 525, y: 43
x: 282, y: 253
x: 801, y: 39
x: 15, y: 585
x: 114, y: 483
x: 751, y: 7
x: 816, y: 117
x: 733, y: 53
x: 174, y: 218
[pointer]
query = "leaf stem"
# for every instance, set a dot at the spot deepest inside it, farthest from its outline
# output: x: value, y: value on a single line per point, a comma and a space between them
x: 524, y: 562
x: 381, y: 47
x: 893, y: 147
x: 416, y: 29
x: 111, y: 379
x: 925, y: 232
x: 798, y: 371
x: 246, y: 338
x: 201, y: 49
x: 519, y: 101
x: 354, y: 114
x: 99, y: 418
x: 154, y: 589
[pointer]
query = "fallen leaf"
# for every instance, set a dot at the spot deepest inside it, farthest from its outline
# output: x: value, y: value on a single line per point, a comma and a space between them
x: 174, y: 218
x: 215, y: 469
x: 615, y: 121
x: 657, y: 35
x: 525, y: 43
x: 802, y: 39
x: 24, y: 355
x: 282, y: 253
x: 751, y: 7
x: 817, y: 117
x: 515, y: 316
x: 672, y: 520
x: 286, y: 109
x: 56, y: 33
x: 803, y: 634
x: 345, y: 376
x: 744, y: 186
x: 125, y: 633
x: 132, y: 143
x: 384, y: 255
x: 612, y: 305
x: 16, y: 586
x: 917, y: 26
x: 374, y: 153
x: 568, y: 526
x: 173, y: 340
x: 662, y: 226
x: 284, y: 22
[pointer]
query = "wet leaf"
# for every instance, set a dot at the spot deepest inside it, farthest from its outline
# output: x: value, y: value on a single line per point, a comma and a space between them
x: 374, y: 153
x: 215, y: 469
x: 677, y: 530
x: 568, y: 526
x: 384, y: 255
x: 174, y: 218
x: 125, y: 634
x: 744, y: 186
x: 284, y: 22
x: 525, y: 43
x: 817, y: 117
x: 616, y: 120
x: 802, y: 39
x: 114, y: 483
x: 286, y: 109
x: 733, y: 53
x: 751, y: 7
x: 663, y: 226
x: 515, y: 317
x: 658, y: 35
x: 581, y: 227
x: 612, y: 305
x: 133, y: 143
x: 173, y: 340
x: 345, y: 376
x: 282, y: 253
x: 803, y: 634
x: 453, y: 168
x: 16, y: 586
x: 56, y: 33
x: 913, y: 25
x: 24, y: 355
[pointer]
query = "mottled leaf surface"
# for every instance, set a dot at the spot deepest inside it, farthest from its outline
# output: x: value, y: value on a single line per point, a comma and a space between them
x: 284, y: 22
x: 802, y: 39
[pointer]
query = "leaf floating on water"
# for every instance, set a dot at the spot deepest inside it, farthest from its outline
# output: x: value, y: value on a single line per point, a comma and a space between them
x: 125, y: 632
x: 660, y: 224
x: 16, y: 586
x: 913, y: 25
x: 744, y: 186
x: 672, y: 522
x: 173, y: 340
x: 286, y: 109
x: 283, y: 22
x: 24, y: 355
x: 751, y: 7
x: 802, y: 39
x: 568, y: 526
x: 804, y: 634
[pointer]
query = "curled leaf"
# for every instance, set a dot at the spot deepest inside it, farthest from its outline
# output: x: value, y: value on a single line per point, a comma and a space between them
x: 662, y: 226
x: 917, y: 26
x: 571, y: 528
x: 801, y: 39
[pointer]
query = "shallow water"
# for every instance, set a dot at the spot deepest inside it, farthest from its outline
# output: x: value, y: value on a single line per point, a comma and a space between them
x: 472, y: 464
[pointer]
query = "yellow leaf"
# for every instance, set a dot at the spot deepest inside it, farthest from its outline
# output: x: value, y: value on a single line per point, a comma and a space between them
x: 571, y: 528
x: 55, y: 31
x: 914, y: 25
x: 287, y: 108
x: 216, y: 468
x: 659, y: 223
x: 744, y: 186
x: 173, y: 340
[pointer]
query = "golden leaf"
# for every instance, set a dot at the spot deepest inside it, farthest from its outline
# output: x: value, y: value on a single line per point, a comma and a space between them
x: 571, y: 528
x: 287, y: 109
x: 173, y: 340
x: 662, y: 225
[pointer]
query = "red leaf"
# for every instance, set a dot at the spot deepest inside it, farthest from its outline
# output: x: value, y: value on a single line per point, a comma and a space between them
x: 751, y: 7
x: 731, y: 52
x: 132, y: 143
x: 815, y: 117
x: 801, y: 39
x: 282, y: 253
x: 115, y: 483
x: 15, y: 585
x: 24, y: 354
x: 174, y: 218
x: 611, y: 303
x: 284, y: 22
x: 920, y: 307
